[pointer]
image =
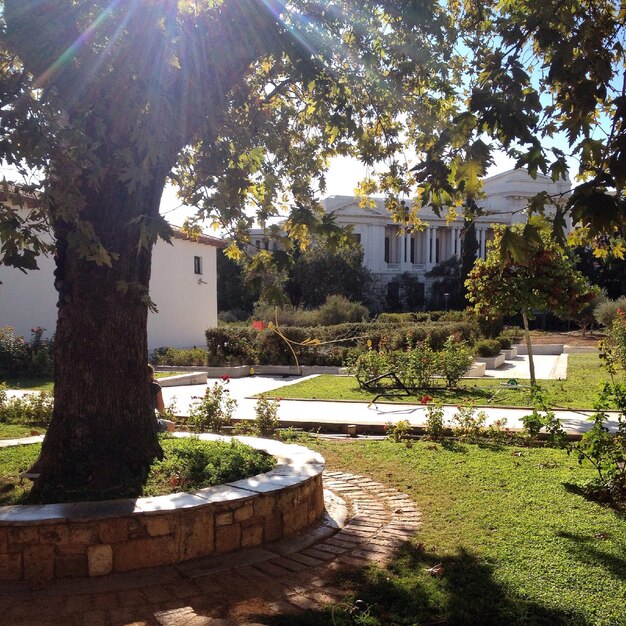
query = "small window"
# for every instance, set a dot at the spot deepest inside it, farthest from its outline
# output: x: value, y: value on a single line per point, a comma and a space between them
x: 197, y: 265
x: 358, y: 237
x: 387, y: 249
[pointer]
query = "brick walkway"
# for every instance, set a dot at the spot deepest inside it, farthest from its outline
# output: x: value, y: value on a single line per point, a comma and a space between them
x: 238, y: 589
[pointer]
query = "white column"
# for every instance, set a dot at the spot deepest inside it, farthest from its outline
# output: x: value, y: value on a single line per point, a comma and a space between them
x: 450, y: 232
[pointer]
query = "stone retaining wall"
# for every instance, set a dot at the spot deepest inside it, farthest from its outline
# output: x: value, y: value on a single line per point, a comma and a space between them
x: 98, y: 538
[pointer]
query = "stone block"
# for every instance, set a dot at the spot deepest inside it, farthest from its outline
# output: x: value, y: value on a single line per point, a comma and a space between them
x: 83, y: 534
x: 265, y: 505
x: 252, y: 536
x: 227, y: 538
x: 195, y: 535
x: 113, y: 531
x: 146, y: 552
x: 70, y: 566
x: 286, y: 499
x: 137, y: 528
x: 100, y: 559
x: 295, y: 520
x: 23, y: 535
x: 38, y: 562
x: 273, y: 527
x: 10, y: 567
x: 158, y: 526
x: 244, y: 512
x: 225, y: 518
x: 58, y: 534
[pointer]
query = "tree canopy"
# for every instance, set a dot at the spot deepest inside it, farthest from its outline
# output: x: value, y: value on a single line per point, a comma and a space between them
x: 242, y: 103
x: 543, y: 279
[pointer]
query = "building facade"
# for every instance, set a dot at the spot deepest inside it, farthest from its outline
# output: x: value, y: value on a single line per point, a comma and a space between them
x: 390, y: 249
x: 183, y: 287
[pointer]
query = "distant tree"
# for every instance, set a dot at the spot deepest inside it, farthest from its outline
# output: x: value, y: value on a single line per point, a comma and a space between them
x: 469, y: 249
x: 538, y: 276
x: 446, y: 280
x: 608, y: 273
x: 322, y: 271
x: 405, y: 293
x: 232, y: 292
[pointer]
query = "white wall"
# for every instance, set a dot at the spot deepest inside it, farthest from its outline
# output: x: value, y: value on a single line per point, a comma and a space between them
x: 187, y: 302
x: 186, y: 306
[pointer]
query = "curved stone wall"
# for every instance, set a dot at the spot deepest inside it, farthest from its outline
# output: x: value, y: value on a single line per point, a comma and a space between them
x: 97, y: 538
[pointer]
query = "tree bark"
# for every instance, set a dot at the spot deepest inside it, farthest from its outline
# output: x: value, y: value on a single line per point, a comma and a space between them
x: 531, y: 363
x: 103, y: 431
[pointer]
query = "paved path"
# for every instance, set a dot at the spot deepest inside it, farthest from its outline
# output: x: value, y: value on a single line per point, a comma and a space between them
x: 241, y: 588
x: 336, y: 415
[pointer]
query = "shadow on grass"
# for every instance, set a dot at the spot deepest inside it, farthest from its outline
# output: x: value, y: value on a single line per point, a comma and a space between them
x: 587, y: 549
x: 421, y: 587
x: 599, y: 498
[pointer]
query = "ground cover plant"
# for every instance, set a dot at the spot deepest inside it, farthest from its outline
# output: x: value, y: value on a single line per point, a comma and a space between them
x: 584, y: 378
x: 189, y: 464
x: 515, y: 540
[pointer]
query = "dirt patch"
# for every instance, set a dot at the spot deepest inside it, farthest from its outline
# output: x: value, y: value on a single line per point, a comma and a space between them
x: 573, y: 338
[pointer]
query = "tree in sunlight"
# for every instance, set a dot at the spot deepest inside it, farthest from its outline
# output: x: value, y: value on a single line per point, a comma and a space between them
x: 525, y: 276
x: 241, y: 103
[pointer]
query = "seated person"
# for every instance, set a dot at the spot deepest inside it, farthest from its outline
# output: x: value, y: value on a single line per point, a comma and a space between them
x: 156, y: 398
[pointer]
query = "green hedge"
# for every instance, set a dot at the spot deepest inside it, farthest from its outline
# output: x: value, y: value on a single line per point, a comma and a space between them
x: 243, y: 346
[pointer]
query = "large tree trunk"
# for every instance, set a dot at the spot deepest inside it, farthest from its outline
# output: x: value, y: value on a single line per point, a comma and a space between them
x: 103, y: 432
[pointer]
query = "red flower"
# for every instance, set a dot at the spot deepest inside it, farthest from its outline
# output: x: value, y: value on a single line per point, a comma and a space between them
x: 278, y: 399
x: 225, y: 377
x: 425, y: 400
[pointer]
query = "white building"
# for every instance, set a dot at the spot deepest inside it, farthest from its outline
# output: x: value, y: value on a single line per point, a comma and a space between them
x: 183, y: 287
x: 390, y: 251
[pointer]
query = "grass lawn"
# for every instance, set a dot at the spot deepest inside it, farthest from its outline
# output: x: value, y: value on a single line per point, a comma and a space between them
x: 17, y: 431
x: 584, y: 378
x: 518, y: 543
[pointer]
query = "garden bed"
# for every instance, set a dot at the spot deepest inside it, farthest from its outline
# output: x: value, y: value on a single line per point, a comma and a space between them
x: 98, y: 538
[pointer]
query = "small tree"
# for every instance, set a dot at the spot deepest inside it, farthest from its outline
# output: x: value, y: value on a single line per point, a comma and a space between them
x: 537, y: 276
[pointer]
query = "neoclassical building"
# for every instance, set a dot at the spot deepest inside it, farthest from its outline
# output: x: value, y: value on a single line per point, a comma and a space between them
x: 390, y: 251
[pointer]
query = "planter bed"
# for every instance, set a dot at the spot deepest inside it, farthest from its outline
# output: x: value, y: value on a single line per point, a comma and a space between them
x: 98, y: 538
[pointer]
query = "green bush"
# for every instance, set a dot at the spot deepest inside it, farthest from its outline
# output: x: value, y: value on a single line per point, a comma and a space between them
x: 338, y: 310
x: 231, y: 346
x: 266, y: 417
x: 606, y: 312
x: 325, y: 345
x: 487, y: 348
x: 19, y: 357
x: 191, y: 464
x: 213, y: 411
x: 180, y: 357
x: 32, y: 409
x: 416, y: 366
x: 505, y: 342
x: 453, y: 361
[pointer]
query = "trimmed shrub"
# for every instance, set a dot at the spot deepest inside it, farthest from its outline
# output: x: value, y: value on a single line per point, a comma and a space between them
x: 487, y: 348
x: 174, y: 356
x: 231, y: 346
x: 505, y: 342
